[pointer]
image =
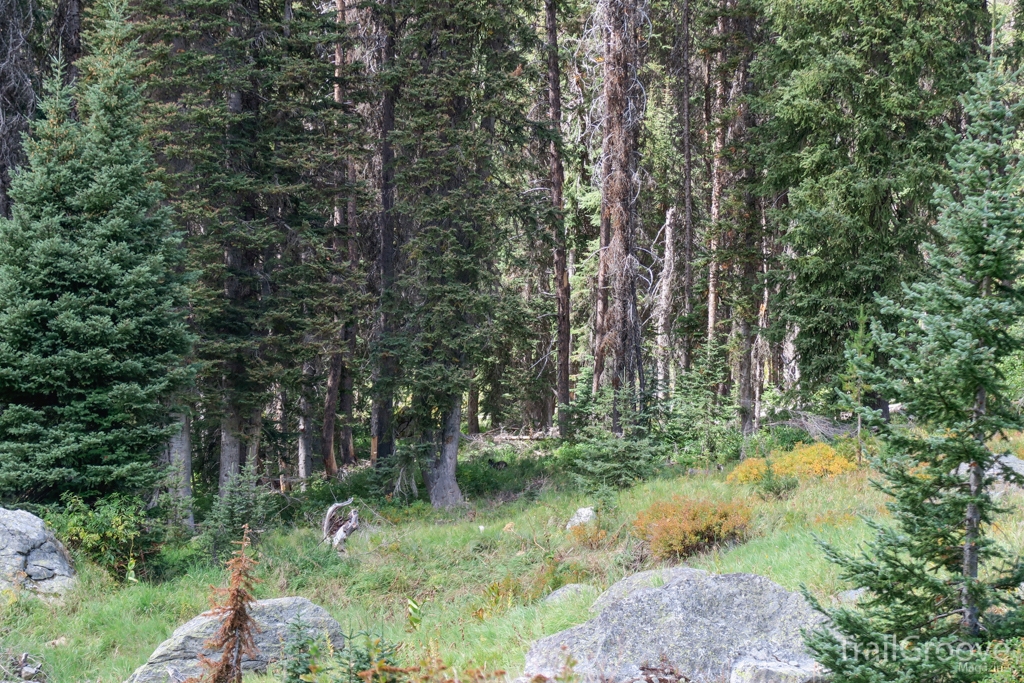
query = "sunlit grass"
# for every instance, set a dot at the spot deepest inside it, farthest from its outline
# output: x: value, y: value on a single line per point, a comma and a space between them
x: 479, y: 575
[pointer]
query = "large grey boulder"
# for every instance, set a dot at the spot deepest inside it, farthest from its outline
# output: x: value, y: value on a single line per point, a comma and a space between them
x: 707, y: 628
x: 31, y: 556
x: 177, y: 658
x: 653, y: 578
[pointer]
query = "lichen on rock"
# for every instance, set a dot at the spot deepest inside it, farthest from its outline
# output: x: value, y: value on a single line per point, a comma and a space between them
x: 31, y: 557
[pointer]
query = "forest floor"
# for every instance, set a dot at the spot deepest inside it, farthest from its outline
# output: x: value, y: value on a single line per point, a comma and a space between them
x: 478, y: 574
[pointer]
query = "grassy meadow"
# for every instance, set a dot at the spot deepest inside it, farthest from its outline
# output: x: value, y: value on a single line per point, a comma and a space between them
x: 478, y: 575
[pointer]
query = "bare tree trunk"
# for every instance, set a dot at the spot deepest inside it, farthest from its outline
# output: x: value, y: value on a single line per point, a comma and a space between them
x: 562, y: 294
x: 334, y: 371
x: 305, y: 455
x: 439, y: 469
x: 745, y: 379
x: 230, y: 448
x: 282, y: 422
x: 348, y: 381
x: 17, y: 94
x: 473, y: 409
x: 65, y: 33
x: 601, y: 312
x: 972, y: 523
x: 345, y: 381
x: 624, y: 105
x: 382, y: 440
x: 718, y: 171
x: 663, y: 313
x: 687, y: 187
x: 180, y: 456
x: 253, y: 432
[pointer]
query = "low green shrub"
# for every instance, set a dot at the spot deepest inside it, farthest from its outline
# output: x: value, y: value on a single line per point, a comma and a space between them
x: 243, y: 502
x: 308, y: 657
x: 773, y: 486
x: 501, y: 470
x: 601, y: 460
x: 113, y: 532
x: 1009, y: 667
x: 779, y: 438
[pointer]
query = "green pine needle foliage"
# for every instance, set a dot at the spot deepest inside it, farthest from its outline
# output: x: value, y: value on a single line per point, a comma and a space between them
x: 944, y: 367
x: 855, y: 95
x: 91, y: 331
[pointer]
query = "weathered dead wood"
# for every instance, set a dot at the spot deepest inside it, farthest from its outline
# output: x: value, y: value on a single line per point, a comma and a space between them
x: 337, y: 528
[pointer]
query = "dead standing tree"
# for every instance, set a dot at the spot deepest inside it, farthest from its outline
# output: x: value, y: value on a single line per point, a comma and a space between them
x: 234, y: 639
x: 617, y: 334
x: 17, y: 94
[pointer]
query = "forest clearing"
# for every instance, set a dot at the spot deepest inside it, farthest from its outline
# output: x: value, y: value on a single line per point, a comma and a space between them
x: 479, y: 575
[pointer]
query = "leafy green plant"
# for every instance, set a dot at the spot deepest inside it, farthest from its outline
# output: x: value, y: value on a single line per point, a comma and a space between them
x: 501, y: 470
x: 300, y: 648
x: 112, y: 532
x: 1010, y: 665
x: 310, y: 658
x: 414, y: 614
x: 780, y: 438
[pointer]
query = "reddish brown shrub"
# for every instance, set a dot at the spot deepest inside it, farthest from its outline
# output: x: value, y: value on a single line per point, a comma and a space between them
x: 589, y: 535
x: 679, y: 528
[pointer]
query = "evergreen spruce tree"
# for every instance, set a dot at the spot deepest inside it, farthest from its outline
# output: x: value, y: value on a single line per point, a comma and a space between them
x: 255, y: 144
x: 856, y: 97
x: 940, y: 586
x: 460, y: 124
x: 91, y: 333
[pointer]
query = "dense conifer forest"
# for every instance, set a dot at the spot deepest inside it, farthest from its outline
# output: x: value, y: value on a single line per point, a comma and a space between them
x: 257, y: 256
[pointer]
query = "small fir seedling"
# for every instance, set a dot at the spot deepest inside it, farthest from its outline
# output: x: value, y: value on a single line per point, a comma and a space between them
x: 234, y: 639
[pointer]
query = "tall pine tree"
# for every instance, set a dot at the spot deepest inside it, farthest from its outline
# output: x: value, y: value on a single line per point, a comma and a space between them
x: 936, y: 577
x: 91, y: 332
x: 856, y: 96
x: 460, y: 125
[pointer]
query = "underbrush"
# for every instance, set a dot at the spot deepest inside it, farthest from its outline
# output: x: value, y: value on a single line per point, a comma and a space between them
x: 478, y: 575
x: 803, y: 461
x: 678, y: 528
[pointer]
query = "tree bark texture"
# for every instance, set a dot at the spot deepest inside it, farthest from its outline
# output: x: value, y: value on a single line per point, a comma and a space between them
x: 473, y: 409
x: 663, y: 310
x: 619, y: 335
x: 970, y: 623
x: 439, y: 468
x: 230, y: 448
x: 387, y: 365
x: 562, y: 293
x: 305, y: 441
x: 65, y: 33
x: 17, y: 93
x: 334, y: 372
x: 687, y: 185
x: 180, y: 456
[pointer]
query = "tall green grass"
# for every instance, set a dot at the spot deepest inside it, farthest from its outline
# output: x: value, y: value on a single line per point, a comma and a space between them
x: 478, y: 573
